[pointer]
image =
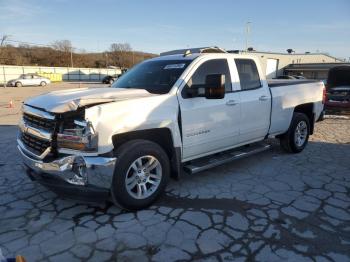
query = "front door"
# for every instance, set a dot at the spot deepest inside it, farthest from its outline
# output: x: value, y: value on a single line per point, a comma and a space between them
x: 208, y: 125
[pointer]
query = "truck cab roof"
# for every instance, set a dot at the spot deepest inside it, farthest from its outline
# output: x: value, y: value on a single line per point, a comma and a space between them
x: 176, y: 57
x: 193, y: 53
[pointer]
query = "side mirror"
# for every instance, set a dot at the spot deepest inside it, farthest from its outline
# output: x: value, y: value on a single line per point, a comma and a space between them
x: 215, y: 86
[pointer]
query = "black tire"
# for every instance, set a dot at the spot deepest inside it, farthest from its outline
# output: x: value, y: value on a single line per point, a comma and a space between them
x: 126, y: 155
x: 18, y: 84
x: 288, y: 141
x: 110, y: 81
x: 43, y: 83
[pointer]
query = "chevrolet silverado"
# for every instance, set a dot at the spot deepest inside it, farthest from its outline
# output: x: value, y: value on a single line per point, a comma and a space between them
x: 184, y: 111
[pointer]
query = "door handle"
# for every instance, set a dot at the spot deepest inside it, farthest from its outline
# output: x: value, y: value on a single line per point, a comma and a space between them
x: 231, y: 103
x: 263, y: 98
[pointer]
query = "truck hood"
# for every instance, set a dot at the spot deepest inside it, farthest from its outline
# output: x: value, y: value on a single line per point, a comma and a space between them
x: 70, y: 100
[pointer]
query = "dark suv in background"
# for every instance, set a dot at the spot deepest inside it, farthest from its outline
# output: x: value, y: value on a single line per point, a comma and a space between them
x: 338, y: 90
x: 109, y: 79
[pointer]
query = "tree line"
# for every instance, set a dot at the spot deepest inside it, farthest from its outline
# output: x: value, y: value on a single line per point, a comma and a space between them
x: 62, y: 53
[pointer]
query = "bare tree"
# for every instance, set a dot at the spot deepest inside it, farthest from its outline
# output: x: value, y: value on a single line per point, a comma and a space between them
x: 66, y: 47
x: 3, y: 39
x: 2, y: 43
x: 62, y: 45
x: 26, y: 54
x: 120, y: 53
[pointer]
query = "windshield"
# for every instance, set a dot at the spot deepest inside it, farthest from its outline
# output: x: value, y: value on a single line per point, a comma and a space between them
x: 156, y: 77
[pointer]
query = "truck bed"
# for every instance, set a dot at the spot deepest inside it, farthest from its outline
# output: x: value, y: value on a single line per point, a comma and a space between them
x: 288, y: 94
x: 286, y: 82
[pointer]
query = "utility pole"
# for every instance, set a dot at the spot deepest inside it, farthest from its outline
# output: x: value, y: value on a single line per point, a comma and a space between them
x: 106, y: 55
x: 247, y: 32
x: 71, y: 56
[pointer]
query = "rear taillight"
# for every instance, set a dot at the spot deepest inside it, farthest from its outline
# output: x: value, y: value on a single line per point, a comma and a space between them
x: 324, y: 95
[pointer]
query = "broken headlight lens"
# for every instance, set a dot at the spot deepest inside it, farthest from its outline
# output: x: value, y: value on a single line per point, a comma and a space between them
x: 81, y: 138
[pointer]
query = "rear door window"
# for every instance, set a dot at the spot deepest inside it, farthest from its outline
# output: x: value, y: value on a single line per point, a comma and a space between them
x: 248, y: 74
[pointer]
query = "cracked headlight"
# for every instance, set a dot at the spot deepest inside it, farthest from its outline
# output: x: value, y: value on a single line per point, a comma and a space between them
x: 81, y: 138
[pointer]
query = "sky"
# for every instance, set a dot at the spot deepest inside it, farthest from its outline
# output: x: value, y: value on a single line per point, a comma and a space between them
x: 159, y: 25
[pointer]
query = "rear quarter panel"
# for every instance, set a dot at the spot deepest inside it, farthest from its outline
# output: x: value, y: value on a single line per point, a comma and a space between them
x: 286, y: 98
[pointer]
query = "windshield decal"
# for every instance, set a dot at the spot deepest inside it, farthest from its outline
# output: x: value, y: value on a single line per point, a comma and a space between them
x: 174, y: 66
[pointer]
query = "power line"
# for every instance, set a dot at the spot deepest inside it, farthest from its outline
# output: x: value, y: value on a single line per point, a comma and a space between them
x: 28, y: 43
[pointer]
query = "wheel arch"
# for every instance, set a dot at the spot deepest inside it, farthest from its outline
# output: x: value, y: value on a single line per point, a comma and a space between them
x: 160, y: 136
x: 308, y: 110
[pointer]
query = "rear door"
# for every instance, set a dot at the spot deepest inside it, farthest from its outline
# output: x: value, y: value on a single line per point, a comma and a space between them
x: 255, y: 102
x: 208, y: 125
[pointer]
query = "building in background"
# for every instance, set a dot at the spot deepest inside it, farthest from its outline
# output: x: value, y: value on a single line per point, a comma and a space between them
x: 311, y: 70
x: 309, y: 65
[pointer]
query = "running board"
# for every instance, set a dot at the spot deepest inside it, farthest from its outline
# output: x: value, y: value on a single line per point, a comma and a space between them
x: 207, y: 162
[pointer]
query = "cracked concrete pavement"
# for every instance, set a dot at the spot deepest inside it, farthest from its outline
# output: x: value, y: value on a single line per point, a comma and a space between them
x: 269, y: 207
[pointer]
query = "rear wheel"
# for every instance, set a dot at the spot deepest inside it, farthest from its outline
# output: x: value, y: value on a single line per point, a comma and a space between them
x: 141, y: 174
x: 111, y: 81
x: 297, y: 136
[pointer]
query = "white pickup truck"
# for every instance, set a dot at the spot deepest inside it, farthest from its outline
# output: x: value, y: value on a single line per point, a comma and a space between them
x: 182, y: 111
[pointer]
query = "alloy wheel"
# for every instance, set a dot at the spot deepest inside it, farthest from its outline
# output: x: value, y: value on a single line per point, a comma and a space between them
x: 143, y: 177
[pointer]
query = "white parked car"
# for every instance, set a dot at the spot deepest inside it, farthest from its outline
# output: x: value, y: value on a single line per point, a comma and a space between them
x: 29, y: 80
x: 167, y: 115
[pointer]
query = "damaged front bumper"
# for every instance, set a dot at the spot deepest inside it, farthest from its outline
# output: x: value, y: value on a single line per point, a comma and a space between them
x: 72, y: 175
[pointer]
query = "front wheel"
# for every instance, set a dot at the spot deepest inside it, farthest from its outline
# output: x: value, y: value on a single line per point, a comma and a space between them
x: 43, y: 83
x: 297, y: 136
x: 141, y: 173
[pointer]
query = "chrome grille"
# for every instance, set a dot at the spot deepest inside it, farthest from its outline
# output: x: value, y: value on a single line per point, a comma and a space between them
x: 38, y: 122
x: 34, y: 144
x: 37, y: 130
